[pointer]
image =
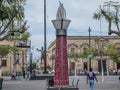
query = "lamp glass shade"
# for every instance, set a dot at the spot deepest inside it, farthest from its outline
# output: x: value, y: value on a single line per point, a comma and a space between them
x: 61, y: 24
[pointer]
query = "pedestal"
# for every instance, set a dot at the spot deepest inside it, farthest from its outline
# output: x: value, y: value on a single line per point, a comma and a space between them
x: 62, y: 88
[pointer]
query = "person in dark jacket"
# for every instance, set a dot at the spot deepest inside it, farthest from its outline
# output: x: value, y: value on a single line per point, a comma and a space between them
x: 24, y: 74
x: 90, y: 79
x: 13, y: 76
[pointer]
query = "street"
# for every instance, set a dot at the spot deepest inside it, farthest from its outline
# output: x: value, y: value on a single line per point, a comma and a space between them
x: 110, y: 83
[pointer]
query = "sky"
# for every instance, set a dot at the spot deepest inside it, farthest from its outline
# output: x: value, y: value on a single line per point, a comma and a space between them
x: 80, y: 12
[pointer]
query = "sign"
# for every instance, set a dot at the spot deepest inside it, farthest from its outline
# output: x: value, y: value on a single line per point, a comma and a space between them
x: 90, y: 55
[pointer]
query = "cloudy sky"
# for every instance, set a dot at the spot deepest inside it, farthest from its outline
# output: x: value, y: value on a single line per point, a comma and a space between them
x: 80, y: 12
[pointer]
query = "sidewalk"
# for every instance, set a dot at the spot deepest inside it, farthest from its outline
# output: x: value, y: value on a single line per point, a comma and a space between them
x: 110, y: 83
x: 8, y: 78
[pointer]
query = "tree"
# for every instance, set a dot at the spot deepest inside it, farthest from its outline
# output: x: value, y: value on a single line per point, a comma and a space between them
x: 11, y: 21
x: 88, y: 53
x: 33, y: 66
x: 75, y: 56
x: 109, y: 11
x: 4, y: 50
x: 25, y: 36
x: 113, y: 53
x: 11, y: 17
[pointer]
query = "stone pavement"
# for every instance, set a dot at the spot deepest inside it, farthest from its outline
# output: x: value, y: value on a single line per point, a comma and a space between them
x: 110, y: 83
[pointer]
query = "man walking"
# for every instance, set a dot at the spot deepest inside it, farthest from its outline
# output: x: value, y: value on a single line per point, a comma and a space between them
x: 13, y: 77
x: 90, y: 77
x: 24, y: 74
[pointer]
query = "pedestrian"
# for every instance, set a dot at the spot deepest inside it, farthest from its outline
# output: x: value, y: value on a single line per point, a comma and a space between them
x: 24, y: 74
x: 28, y: 74
x: 33, y: 73
x: 13, y: 76
x: 90, y: 78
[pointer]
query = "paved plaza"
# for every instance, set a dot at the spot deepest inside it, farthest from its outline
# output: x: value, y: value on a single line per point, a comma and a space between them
x: 110, y: 83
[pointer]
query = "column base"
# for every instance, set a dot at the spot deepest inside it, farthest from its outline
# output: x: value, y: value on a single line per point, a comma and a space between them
x: 45, y: 72
x: 63, y: 88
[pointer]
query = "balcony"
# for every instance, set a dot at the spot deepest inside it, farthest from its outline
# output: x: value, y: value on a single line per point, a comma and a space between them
x: 22, y: 44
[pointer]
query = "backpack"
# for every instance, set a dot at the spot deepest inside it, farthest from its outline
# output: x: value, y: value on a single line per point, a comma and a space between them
x: 91, y: 75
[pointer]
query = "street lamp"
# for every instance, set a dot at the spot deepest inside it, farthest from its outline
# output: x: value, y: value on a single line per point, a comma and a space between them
x: 89, y: 30
x: 30, y: 65
x: 45, y: 69
x: 30, y: 59
x: 23, y: 69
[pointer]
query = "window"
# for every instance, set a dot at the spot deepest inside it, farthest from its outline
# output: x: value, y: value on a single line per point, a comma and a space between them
x: 85, y: 65
x: 72, y: 50
x: 4, y: 63
x: 72, y: 66
x: 118, y: 49
x: 84, y: 49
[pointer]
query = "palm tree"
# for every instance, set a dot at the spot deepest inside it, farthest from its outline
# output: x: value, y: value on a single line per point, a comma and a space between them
x: 109, y: 11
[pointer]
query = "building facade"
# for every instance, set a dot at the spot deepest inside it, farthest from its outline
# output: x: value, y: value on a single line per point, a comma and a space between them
x: 77, y: 44
x: 14, y: 61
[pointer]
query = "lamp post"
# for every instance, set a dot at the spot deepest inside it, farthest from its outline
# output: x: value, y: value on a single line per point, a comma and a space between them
x: 23, y: 69
x: 89, y: 30
x: 45, y: 69
x: 30, y: 59
x: 61, y: 24
x: 30, y: 63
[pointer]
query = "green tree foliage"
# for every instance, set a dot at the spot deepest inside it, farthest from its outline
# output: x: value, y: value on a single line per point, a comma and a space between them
x: 33, y: 66
x: 11, y: 17
x: 25, y: 36
x: 75, y: 56
x: 113, y: 53
x: 88, y: 53
x: 18, y: 36
x: 14, y: 49
x: 6, y: 49
x: 109, y: 11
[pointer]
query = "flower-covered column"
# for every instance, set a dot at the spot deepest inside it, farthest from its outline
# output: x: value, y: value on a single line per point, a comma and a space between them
x: 61, y: 66
x: 61, y: 77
